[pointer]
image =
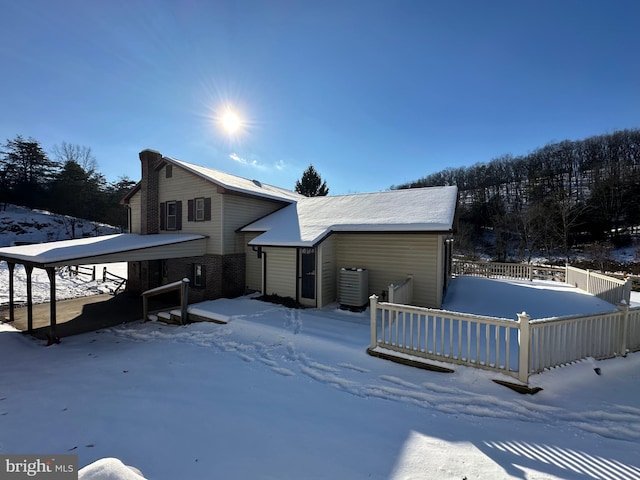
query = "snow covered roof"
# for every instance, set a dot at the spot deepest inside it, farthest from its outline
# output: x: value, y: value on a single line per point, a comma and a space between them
x: 238, y: 184
x: 309, y: 220
x: 107, y: 248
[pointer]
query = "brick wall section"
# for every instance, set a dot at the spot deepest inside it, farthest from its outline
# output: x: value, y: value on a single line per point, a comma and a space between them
x: 149, y: 192
x: 233, y: 275
x: 134, y: 285
x: 138, y: 277
x: 224, y: 275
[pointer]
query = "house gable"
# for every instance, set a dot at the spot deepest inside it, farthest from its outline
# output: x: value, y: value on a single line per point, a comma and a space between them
x: 175, y: 196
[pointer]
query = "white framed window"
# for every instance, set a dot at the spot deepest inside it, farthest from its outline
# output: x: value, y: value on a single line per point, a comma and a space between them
x: 199, y: 209
x: 198, y: 275
x: 172, y: 215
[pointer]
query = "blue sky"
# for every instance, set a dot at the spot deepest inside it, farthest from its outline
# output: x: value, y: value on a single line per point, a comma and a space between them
x: 372, y: 93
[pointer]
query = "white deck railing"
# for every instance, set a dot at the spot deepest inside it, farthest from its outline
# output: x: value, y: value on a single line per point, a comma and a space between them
x: 521, y: 271
x: 513, y: 347
x: 609, y: 289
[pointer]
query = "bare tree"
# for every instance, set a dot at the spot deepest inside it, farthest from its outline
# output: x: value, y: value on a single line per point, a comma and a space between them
x: 66, y: 152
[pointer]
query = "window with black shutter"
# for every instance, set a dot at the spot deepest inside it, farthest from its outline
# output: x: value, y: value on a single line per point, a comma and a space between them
x: 172, y: 216
x: 207, y: 209
x: 199, y: 209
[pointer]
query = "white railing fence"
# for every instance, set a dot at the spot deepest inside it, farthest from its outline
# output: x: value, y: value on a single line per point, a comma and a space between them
x: 609, y: 289
x: 515, y: 348
x: 520, y: 271
x: 403, y: 292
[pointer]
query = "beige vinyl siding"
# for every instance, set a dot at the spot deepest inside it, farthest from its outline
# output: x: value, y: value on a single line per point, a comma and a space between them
x: 281, y: 271
x: 135, y: 206
x: 328, y: 276
x: 183, y: 186
x: 253, y: 264
x: 389, y: 258
x: 238, y: 211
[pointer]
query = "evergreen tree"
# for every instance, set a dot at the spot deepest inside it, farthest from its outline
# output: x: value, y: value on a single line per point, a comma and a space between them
x: 116, y: 214
x: 25, y: 172
x: 311, y: 184
x: 77, y: 192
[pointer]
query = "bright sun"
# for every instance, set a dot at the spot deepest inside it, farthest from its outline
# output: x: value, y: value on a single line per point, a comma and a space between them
x: 231, y: 121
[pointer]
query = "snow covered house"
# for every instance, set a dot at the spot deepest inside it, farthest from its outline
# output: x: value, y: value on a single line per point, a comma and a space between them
x: 305, y: 249
x: 272, y: 240
x: 176, y: 197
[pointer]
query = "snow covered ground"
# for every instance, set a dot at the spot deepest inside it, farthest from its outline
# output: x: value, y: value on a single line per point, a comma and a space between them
x: 21, y: 224
x: 279, y: 393
x: 67, y: 285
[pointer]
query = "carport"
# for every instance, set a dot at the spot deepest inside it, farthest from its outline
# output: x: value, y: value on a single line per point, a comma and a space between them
x: 83, y: 251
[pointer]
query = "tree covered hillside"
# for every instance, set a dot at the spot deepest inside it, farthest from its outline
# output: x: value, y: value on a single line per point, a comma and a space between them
x: 66, y: 181
x: 552, y: 199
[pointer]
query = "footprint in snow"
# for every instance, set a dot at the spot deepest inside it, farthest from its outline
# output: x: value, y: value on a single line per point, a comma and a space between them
x: 398, y: 381
x: 268, y: 362
x: 353, y: 367
x: 293, y: 322
x: 291, y: 351
x: 285, y: 372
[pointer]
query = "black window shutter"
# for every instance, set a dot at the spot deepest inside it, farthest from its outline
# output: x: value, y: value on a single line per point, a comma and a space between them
x: 207, y: 208
x: 190, y: 206
x: 163, y: 215
x: 179, y: 215
x: 204, y: 276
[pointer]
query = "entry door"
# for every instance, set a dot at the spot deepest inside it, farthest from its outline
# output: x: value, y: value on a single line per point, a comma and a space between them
x: 308, y: 272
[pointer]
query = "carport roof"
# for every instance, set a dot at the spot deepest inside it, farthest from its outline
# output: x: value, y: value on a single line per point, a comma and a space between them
x: 105, y: 249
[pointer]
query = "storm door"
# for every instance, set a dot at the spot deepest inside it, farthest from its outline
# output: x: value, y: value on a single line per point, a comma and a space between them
x: 308, y: 273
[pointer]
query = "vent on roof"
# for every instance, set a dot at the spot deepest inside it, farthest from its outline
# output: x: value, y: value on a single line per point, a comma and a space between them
x: 257, y: 183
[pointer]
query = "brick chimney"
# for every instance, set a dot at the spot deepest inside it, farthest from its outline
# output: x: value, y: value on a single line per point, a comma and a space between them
x: 150, y: 206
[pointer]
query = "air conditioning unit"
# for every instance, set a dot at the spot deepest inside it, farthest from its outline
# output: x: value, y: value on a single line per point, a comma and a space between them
x: 353, y: 288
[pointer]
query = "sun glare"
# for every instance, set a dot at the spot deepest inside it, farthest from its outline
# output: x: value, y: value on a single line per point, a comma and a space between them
x: 231, y: 122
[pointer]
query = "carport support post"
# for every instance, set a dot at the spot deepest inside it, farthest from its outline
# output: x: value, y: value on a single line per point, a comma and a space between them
x: 53, y: 338
x: 29, y: 270
x: 11, y: 305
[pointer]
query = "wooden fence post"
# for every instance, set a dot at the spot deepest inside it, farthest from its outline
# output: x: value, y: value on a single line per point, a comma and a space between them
x: 145, y: 308
x: 373, y: 315
x: 184, y: 300
x: 524, y: 341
